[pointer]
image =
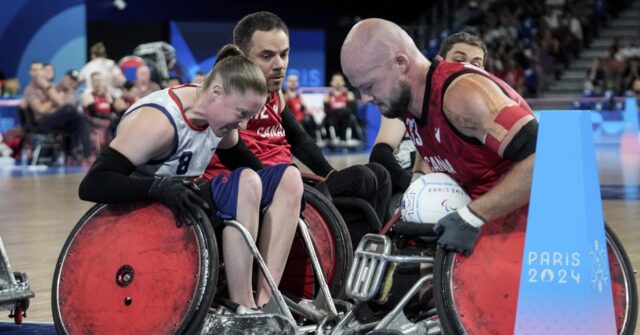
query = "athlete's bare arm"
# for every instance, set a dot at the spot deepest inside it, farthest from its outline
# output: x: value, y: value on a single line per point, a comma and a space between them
x: 472, y: 103
x: 144, y: 135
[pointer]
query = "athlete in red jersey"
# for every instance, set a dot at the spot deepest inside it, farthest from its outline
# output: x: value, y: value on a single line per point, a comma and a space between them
x: 339, y: 107
x: 390, y: 147
x: 274, y: 135
x: 293, y: 98
x: 464, y: 122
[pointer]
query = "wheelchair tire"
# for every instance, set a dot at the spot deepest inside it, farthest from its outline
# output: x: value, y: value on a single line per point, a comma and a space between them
x: 454, y: 305
x: 332, y: 242
x: 127, y: 269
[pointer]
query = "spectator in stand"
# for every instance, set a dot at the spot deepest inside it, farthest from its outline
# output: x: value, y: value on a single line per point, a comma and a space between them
x: 49, y: 71
x: 293, y: 100
x: 198, y: 78
x: 102, y: 108
x: 630, y: 50
x: 143, y: 85
x: 111, y: 73
x: 613, y: 70
x: 514, y: 74
x: 596, y: 77
x: 339, y: 107
x: 55, y: 106
x: 67, y: 87
x: 631, y: 76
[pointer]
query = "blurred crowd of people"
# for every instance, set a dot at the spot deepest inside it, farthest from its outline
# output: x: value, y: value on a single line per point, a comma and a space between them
x: 531, y: 43
x: 340, y: 127
x: 83, y: 107
x: 618, y: 72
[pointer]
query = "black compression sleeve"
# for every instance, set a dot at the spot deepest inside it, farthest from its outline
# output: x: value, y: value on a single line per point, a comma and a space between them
x: 109, y: 182
x: 303, y: 146
x: 523, y: 143
x: 239, y: 156
x: 382, y: 153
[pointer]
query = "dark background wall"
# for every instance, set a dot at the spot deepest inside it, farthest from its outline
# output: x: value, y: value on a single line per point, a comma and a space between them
x: 61, y: 31
x: 146, y: 20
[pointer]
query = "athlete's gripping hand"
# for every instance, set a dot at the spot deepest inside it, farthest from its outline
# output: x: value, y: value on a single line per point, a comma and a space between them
x: 181, y: 196
x: 459, y: 230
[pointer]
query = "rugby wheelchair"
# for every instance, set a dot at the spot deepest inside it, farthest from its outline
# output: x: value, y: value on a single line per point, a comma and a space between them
x: 402, y: 283
x: 126, y: 269
x: 451, y: 293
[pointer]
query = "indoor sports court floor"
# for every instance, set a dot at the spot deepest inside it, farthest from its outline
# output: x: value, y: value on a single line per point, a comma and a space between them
x: 38, y: 209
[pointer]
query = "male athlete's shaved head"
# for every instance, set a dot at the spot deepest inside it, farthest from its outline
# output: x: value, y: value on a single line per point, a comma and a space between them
x: 383, y: 63
x: 373, y: 42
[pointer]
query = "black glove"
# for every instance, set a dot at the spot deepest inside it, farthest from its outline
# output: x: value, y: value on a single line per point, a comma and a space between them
x: 181, y: 196
x: 456, y: 234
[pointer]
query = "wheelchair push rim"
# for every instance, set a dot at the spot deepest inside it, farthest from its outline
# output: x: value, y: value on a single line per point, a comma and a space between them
x: 127, y: 269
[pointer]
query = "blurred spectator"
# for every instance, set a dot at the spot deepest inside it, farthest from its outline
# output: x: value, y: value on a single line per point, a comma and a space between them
x: 143, y: 85
x: 11, y: 87
x: 103, y: 108
x: 596, y: 77
x: 97, y: 101
x: 293, y: 101
x: 631, y: 76
x: 339, y: 107
x: 575, y: 27
x: 511, y: 73
x: 630, y: 50
x: 67, y: 87
x: 55, y: 106
x: 198, y: 78
x: 49, y: 71
x: 99, y: 62
x: 613, y: 70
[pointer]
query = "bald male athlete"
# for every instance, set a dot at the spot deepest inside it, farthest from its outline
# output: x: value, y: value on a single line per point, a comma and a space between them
x: 464, y: 122
x: 393, y: 147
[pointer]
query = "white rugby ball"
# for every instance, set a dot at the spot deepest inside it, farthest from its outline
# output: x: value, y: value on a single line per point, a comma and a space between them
x: 431, y: 197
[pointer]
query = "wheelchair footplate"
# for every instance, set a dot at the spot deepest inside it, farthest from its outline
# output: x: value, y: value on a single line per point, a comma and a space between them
x: 240, y: 324
x: 368, y: 267
x: 371, y: 273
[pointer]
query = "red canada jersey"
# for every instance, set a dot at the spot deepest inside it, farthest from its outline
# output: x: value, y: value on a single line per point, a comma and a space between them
x: 338, y: 100
x: 475, y: 166
x: 264, y: 137
x: 294, y: 103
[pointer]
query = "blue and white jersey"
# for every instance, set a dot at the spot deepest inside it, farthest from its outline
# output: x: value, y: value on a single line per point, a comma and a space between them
x: 193, y: 145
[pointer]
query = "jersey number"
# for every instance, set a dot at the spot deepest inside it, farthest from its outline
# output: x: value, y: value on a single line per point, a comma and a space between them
x: 183, y: 162
x: 412, y: 127
x: 262, y: 115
